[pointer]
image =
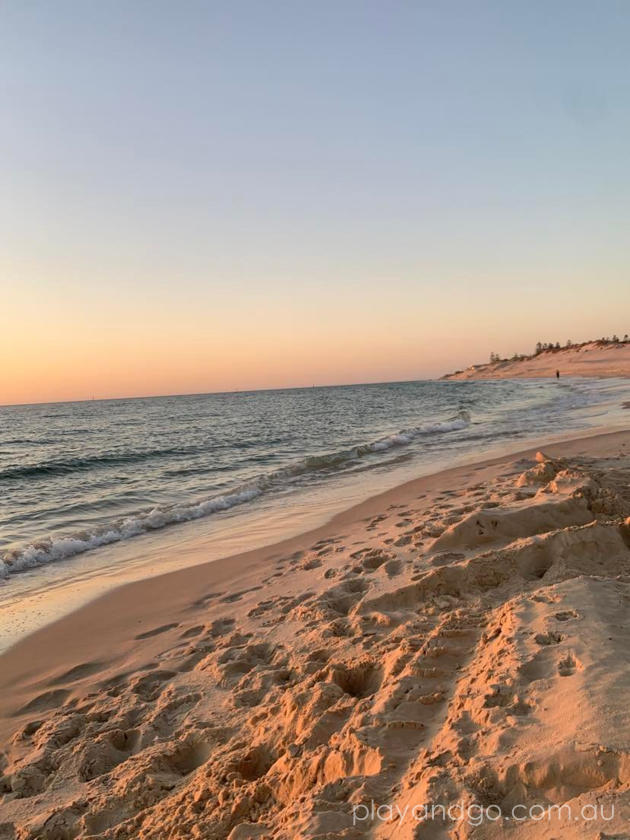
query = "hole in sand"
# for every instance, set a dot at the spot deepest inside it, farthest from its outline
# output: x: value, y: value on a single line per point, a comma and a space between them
x: 255, y: 763
x: 187, y: 757
x: 360, y: 680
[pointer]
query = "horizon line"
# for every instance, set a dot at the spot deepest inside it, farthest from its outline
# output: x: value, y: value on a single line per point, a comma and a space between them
x: 219, y: 393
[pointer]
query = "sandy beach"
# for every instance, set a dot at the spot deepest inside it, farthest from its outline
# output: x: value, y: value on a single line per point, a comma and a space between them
x: 459, y: 642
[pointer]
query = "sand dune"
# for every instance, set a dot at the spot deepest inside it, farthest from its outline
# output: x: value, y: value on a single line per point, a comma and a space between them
x: 460, y: 643
x: 593, y: 359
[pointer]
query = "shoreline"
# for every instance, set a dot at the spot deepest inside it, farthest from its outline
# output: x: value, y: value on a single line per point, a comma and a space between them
x: 123, y: 599
x: 52, y: 591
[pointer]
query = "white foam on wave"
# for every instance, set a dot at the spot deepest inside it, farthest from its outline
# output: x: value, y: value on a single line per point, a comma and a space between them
x: 408, y: 435
x: 53, y: 549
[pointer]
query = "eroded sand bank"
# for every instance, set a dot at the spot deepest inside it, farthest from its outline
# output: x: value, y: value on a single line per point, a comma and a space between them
x: 592, y: 359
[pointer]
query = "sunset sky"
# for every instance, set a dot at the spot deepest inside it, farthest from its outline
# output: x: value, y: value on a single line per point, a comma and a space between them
x: 205, y: 196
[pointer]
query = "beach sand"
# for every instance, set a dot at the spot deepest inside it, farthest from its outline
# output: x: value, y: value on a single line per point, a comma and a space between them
x: 461, y: 639
x: 592, y: 359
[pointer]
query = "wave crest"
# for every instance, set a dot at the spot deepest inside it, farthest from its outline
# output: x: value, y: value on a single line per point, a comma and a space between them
x: 64, y: 466
x: 52, y: 549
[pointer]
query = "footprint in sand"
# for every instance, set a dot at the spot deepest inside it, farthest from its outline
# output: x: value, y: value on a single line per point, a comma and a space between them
x: 156, y: 631
x: 192, y: 631
x: 220, y: 627
x: 78, y: 672
x: 393, y: 568
x: 150, y: 686
x: 545, y: 598
x: 312, y: 563
x: 568, y: 665
x: 551, y: 638
x: 43, y: 702
x: 566, y: 615
x: 206, y: 599
x: 28, y: 730
x: 236, y: 596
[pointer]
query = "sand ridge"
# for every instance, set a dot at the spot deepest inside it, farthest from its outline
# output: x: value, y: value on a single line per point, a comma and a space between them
x: 465, y: 644
x: 590, y: 359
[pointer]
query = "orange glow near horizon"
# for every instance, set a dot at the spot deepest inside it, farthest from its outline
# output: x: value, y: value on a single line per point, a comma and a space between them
x: 72, y: 342
x: 172, y: 358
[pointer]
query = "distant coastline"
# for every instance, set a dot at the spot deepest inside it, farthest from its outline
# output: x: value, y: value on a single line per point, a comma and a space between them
x: 606, y: 357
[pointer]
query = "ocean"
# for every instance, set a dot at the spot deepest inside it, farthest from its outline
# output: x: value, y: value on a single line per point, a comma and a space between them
x: 75, y: 477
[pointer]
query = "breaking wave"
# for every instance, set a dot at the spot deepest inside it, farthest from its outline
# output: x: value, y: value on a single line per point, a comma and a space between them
x: 59, y: 548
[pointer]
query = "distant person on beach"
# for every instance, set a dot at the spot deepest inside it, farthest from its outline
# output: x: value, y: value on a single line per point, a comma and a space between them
x: 557, y: 374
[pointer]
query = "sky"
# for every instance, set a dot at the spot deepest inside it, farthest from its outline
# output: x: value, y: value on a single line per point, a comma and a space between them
x: 203, y: 196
